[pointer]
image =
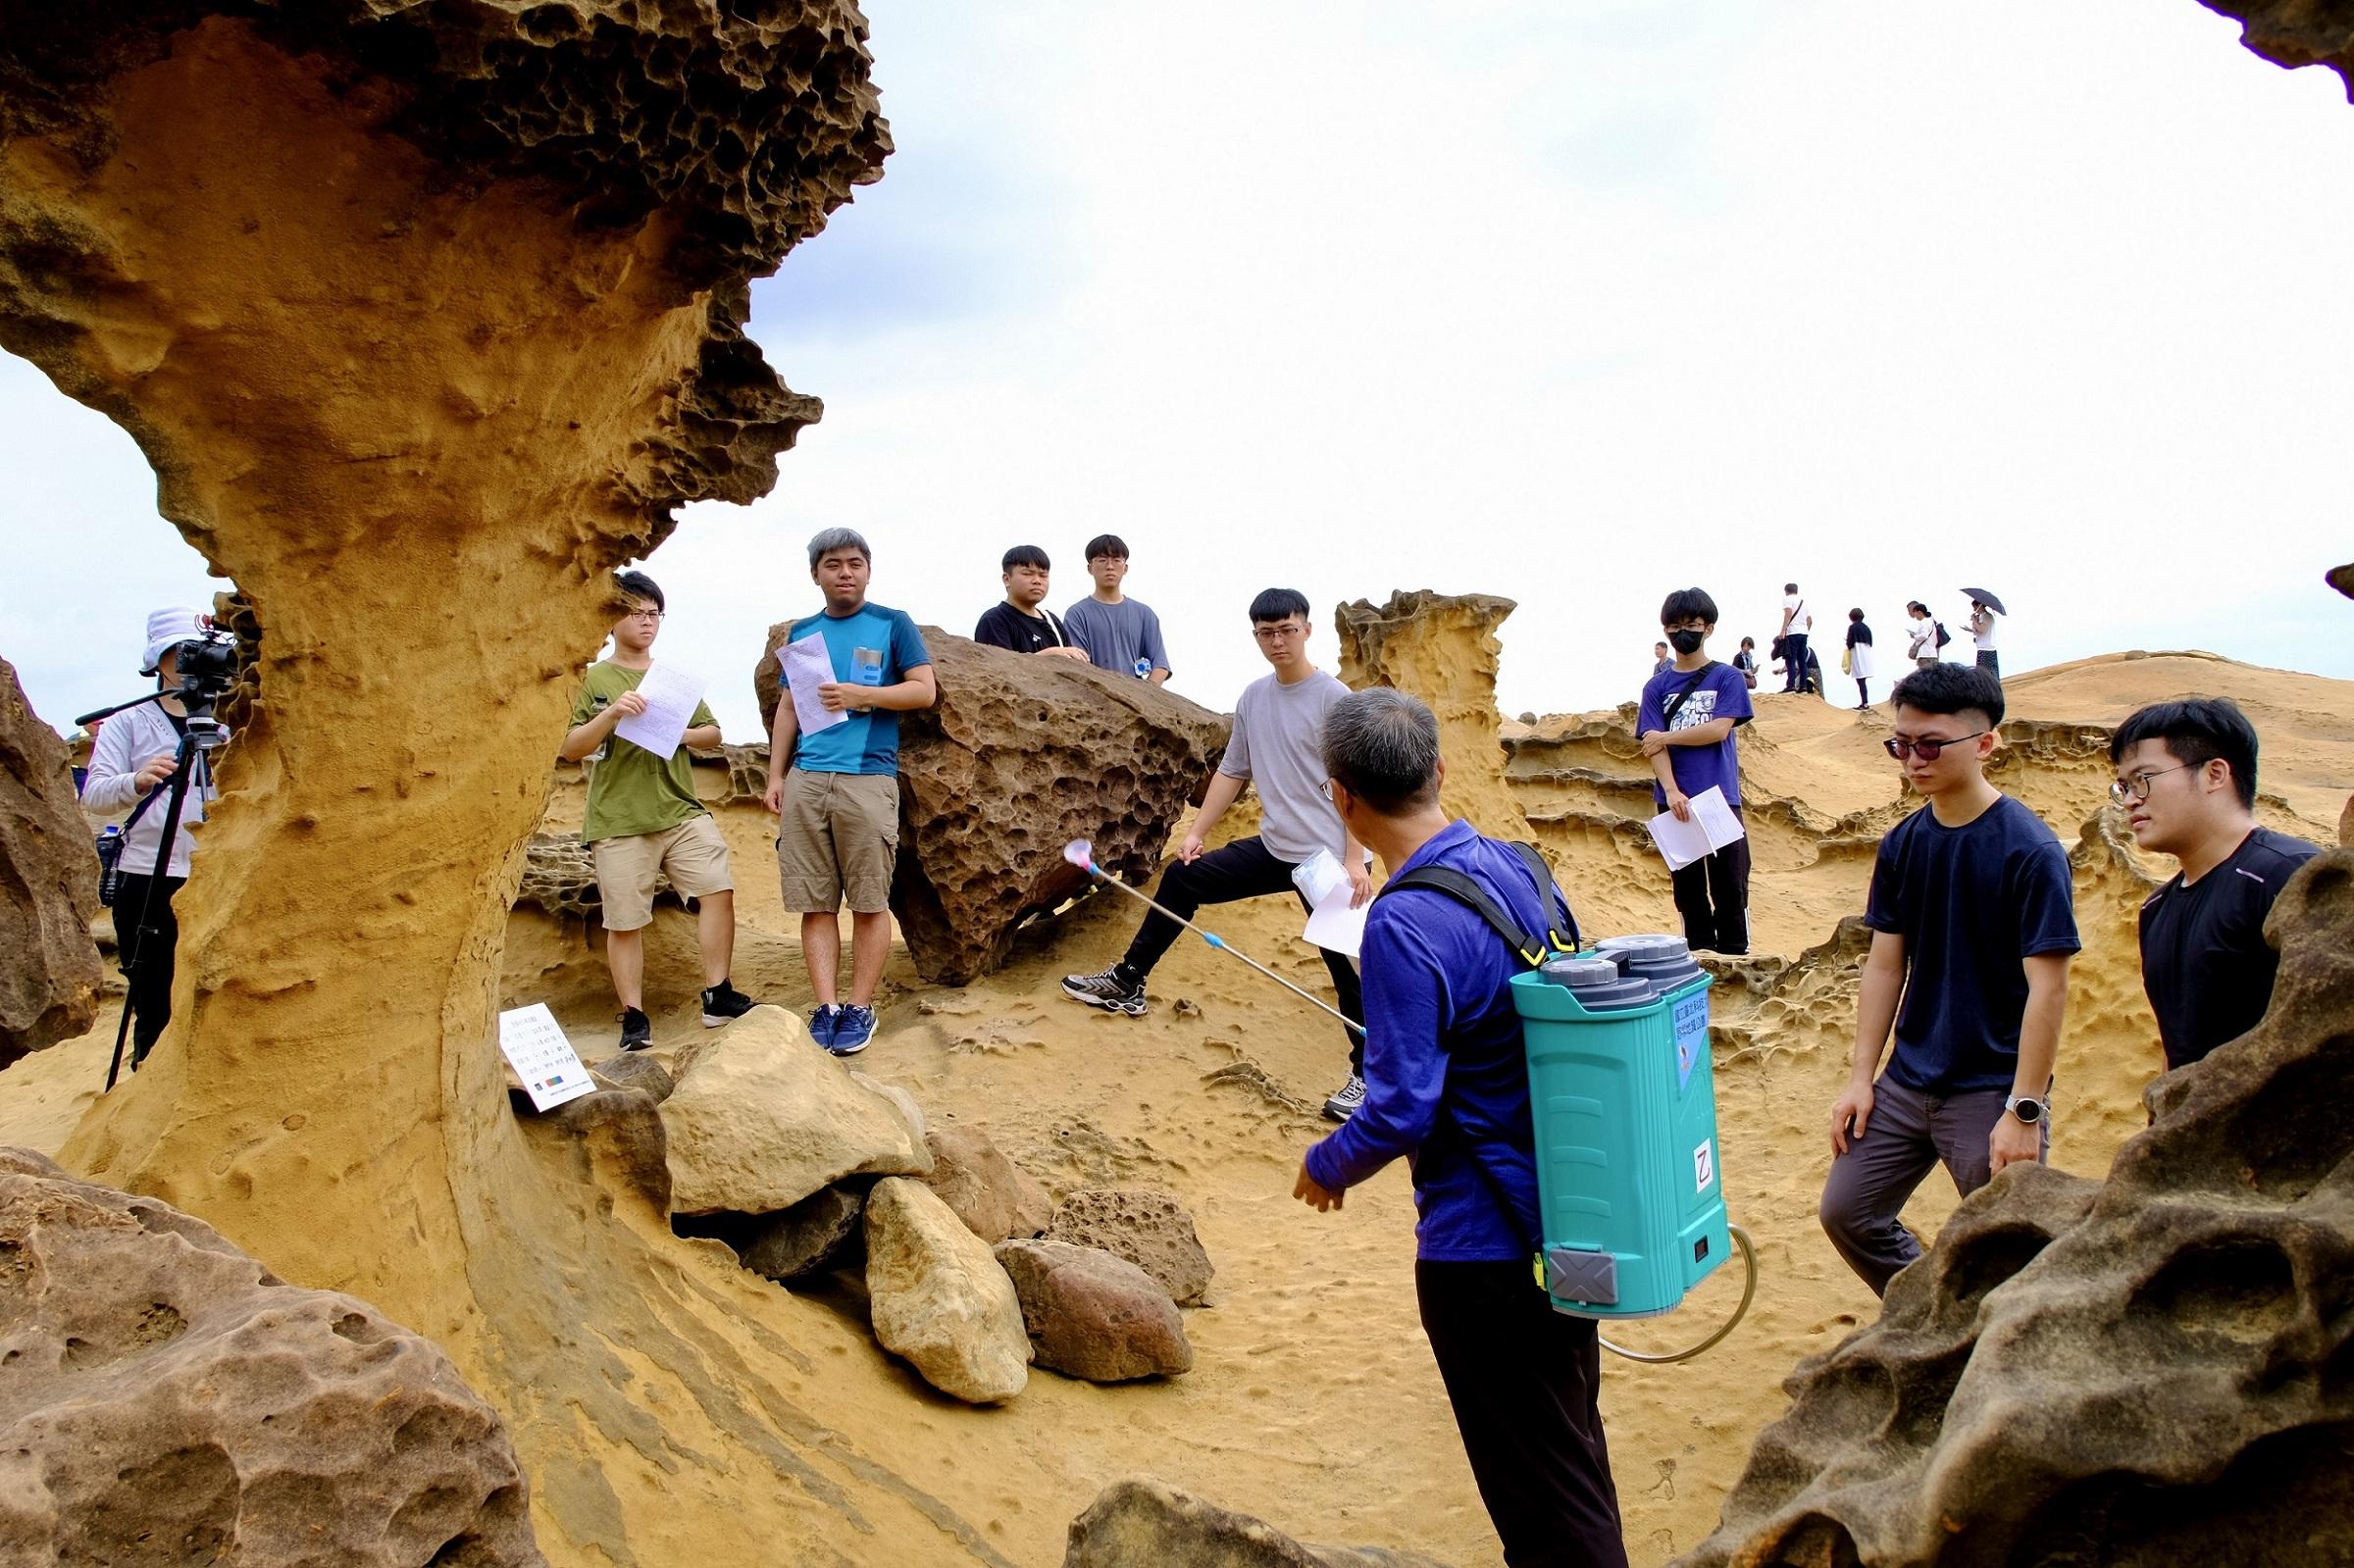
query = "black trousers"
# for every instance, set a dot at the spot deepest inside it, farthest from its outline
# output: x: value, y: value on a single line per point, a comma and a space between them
x: 1244, y: 869
x: 149, y: 977
x: 1794, y: 655
x: 1713, y: 896
x: 1526, y: 1381
x: 1988, y: 662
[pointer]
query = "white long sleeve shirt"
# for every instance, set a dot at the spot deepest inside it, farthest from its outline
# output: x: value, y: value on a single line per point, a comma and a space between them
x: 125, y: 745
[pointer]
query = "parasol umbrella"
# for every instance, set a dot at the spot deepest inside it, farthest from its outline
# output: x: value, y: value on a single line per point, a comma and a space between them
x: 1987, y: 599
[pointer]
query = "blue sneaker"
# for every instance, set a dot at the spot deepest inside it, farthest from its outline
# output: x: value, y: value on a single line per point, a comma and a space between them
x: 821, y: 1023
x: 853, y: 1029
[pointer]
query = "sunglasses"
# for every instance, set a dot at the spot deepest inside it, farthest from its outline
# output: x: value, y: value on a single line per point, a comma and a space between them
x: 1928, y: 750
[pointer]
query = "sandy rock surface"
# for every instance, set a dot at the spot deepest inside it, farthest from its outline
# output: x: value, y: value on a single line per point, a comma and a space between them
x: 939, y: 1298
x: 48, y: 886
x: 763, y: 1117
x: 167, y: 1399
x: 995, y: 1198
x: 1151, y: 1230
x: 1144, y: 1524
x: 1096, y: 1316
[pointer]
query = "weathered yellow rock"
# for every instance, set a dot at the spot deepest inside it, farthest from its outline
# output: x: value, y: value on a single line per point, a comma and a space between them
x: 940, y: 1297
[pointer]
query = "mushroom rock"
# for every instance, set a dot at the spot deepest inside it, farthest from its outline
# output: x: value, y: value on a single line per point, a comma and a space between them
x: 1442, y: 647
x: 428, y: 316
x: 50, y: 974
x: 2296, y: 32
x: 1021, y: 756
x: 2150, y: 1370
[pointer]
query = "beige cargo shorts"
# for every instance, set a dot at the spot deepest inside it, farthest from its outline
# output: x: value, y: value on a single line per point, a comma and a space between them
x: 838, y: 835
x: 693, y: 854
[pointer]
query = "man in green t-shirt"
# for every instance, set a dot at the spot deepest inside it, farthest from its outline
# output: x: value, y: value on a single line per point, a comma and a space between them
x: 644, y: 819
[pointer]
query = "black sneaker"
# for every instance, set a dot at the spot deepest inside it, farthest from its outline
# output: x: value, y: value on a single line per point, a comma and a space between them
x: 1347, y: 1101
x: 1107, y: 990
x: 723, y: 1002
x: 637, y: 1030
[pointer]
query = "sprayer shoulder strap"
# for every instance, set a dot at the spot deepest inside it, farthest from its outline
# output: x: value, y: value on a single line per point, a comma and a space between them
x: 1531, y: 946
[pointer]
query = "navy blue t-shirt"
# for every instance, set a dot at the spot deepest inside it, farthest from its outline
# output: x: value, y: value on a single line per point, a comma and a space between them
x: 1971, y: 903
x: 1721, y: 692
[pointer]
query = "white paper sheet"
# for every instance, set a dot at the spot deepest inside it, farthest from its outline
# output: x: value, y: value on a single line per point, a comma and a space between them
x: 537, y: 1048
x: 1712, y: 828
x: 669, y: 694
x: 808, y: 666
x: 1331, y: 924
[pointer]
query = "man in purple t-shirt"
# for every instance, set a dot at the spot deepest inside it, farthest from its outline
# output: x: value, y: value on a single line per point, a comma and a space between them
x: 1686, y: 721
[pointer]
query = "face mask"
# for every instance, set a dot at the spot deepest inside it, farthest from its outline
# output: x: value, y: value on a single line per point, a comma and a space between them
x: 1685, y: 641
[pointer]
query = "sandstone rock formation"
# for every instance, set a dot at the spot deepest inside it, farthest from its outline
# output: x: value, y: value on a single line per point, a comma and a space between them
x: 1095, y: 1316
x: 167, y: 1399
x: 763, y: 1117
x: 2293, y: 33
x: 49, y: 976
x: 635, y: 1070
x: 1143, y: 1524
x: 2151, y: 1370
x: 804, y: 1237
x: 1151, y: 1230
x: 1020, y: 756
x: 1442, y: 648
x: 939, y: 1298
x: 995, y: 1198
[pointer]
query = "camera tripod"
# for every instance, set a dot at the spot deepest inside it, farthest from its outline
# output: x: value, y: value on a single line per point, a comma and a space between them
x: 201, y: 735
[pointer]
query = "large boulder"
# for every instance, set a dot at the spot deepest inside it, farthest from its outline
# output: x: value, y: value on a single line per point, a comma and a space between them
x: 940, y: 1299
x: 1142, y: 1524
x: 2143, y: 1372
x: 1020, y: 756
x: 167, y: 1401
x: 1095, y: 1316
x: 762, y: 1117
x: 1151, y: 1230
x: 995, y: 1198
x: 49, y: 969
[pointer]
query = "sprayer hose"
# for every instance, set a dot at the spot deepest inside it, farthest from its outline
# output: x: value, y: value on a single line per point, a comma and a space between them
x: 1749, y: 1291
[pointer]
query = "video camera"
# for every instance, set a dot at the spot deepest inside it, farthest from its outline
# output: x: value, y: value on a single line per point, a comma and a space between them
x: 207, y: 667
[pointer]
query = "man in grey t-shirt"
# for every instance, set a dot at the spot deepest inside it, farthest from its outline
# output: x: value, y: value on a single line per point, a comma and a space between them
x: 1116, y: 631
x: 1277, y: 744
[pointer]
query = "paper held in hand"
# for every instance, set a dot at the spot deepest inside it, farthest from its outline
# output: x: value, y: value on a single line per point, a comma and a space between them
x: 1712, y: 828
x: 806, y: 666
x: 1331, y: 924
x: 669, y: 694
x: 542, y: 1057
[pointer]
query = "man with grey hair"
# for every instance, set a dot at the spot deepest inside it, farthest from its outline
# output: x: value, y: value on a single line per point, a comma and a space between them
x: 1447, y: 1086
x: 835, y: 789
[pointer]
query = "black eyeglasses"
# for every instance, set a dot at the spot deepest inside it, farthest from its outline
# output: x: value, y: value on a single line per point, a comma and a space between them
x: 2132, y: 791
x: 1928, y: 749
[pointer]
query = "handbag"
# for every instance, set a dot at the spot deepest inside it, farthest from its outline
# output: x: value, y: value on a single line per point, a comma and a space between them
x: 112, y: 840
x: 1847, y: 660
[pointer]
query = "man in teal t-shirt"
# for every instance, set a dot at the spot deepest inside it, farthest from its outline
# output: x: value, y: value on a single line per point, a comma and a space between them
x: 835, y: 789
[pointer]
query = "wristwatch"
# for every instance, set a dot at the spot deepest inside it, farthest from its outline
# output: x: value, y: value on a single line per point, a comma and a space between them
x: 2025, y: 1108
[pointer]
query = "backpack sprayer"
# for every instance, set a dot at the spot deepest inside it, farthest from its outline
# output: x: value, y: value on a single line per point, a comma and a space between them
x: 1623, y: 1099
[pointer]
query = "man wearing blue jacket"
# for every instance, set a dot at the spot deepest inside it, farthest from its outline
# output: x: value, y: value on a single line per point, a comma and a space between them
x: 1447, y: 1086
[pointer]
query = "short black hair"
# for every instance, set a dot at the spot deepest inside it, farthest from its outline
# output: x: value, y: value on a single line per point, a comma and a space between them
x: 1025, y: 555
x: 1278, y: 604
x: 2196, y: 731
x: 1685, y: 603
x: 1789, y: 587
x: 1951, y: 688
x: 1107, y: 544
x: 1749, y: 642
x: 639, y: 586
x: 1917, y: 607
x: 1855, y: 615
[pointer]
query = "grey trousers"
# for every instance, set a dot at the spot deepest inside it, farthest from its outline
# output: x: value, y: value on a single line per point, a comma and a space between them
x: 1907, y: 1132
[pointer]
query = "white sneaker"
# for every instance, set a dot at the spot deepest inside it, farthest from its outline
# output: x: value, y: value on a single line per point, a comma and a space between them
x: 1347, y: 1101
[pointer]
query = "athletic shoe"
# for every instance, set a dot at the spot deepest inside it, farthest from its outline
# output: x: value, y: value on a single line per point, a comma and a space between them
x: 722, y: 1003
x: 1347, y: 1101
x: 1107, y: 990
x: 821, y: 1023
x: 637, y: 1030
x: 853, y: 1028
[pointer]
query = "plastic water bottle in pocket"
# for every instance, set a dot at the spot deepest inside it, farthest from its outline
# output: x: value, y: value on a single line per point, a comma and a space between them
x: 110, y: 863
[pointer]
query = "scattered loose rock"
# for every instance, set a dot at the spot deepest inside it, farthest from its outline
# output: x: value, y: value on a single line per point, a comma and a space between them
x: 802, y: 1240
x: 1151, y: 1230
x: 763, y: 1117
x: 168, y: 1400
x: 635, y: 1070
x: 1096, y: 1316
x: 940, y: 1299
x: 620, y: 1130
x: 1143, y: 1524
x: 995, y: 1198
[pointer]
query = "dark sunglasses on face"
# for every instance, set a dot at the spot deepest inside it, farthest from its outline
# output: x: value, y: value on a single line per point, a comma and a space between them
x: 1928, y: 749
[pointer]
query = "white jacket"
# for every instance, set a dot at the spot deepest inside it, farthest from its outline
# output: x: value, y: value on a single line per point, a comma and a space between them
x: 125, y: 743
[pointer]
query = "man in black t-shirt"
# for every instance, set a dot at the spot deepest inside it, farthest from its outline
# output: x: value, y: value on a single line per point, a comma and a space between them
x: 2186, y: 776
x: 1018, y: 624
x: 1972, y: 927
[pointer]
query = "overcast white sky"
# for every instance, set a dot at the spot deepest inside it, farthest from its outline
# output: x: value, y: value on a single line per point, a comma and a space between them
x: 1572, y: 303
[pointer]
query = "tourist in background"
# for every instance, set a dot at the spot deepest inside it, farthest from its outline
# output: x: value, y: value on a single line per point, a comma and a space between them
x: 1746, y: 661
x: 1118, y: 632
x: 1797, y: 623
x: 1858, y: 657
x: 2186, y: 779
x: 1660, y: 659
x: 1983, y: 632
x: 1926, y: 633
x: 1686, y: 722
x: 1017, y: 623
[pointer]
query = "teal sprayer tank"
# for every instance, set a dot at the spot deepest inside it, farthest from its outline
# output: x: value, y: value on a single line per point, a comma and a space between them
x: 1625, y: 1111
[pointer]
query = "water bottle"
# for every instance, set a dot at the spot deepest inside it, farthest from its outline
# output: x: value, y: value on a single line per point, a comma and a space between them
x: 110, y: 863
x: 1144, y: 668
